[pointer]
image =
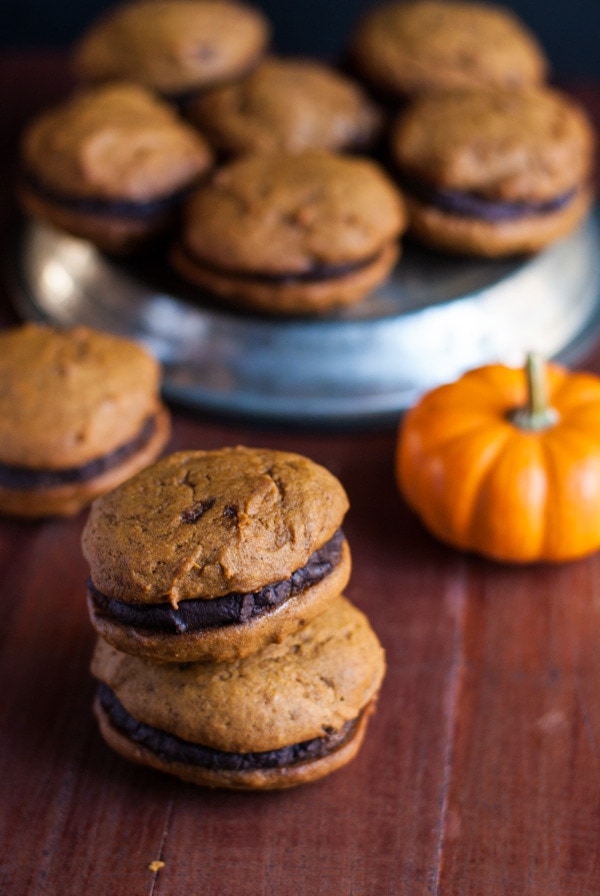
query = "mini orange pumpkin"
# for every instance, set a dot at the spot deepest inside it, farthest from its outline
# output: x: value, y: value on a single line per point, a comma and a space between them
x: 506, y: 462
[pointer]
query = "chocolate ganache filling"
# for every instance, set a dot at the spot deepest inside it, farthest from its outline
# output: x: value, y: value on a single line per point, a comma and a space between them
x: 171, y: 748
x: 472, y: 205
x: 97, y: 206
x: 25, y: 477
x: 318, y: 273
x: 230, y: 609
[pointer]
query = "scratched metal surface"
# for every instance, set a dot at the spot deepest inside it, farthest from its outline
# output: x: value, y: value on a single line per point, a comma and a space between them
x: 436, y: 317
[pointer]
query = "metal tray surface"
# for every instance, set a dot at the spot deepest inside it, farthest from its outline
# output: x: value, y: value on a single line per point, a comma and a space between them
x: 436, y: 317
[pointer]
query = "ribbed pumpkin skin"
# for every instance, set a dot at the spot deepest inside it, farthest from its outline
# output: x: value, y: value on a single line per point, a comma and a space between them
x: 482, y: 484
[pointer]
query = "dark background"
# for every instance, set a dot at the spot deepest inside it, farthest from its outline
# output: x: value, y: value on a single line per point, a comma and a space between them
x: 568, y: 29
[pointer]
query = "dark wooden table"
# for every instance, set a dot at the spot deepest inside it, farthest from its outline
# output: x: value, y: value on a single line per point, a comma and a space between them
x: 480, y: 774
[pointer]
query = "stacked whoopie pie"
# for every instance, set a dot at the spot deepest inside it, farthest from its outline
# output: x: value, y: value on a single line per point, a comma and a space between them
x: 227, y: 654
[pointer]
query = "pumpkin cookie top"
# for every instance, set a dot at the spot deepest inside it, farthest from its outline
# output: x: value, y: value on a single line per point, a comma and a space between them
x: 116, y: 142
x: 281, y: 213
x: 421, y: 46
x: 509, y: 145
x: 173, y: 46
x: 207, y: 523
x: 288, y: 105
x: 71, y: 396
x: 313, y: 682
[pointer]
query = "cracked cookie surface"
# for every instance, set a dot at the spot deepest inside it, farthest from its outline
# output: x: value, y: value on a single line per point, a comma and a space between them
x: 254, y: 534
x: 205, y: 523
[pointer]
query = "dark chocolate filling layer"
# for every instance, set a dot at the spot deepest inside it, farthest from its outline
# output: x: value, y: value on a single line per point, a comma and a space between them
x: 171, y: 748
x: 26, y: 478
x: 230, y: 609
x: 89, y: 205
x: 318, y: 272
x: 472, y: 205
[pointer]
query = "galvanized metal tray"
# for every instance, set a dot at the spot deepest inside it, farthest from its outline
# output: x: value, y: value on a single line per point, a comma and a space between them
x: 436, y: 317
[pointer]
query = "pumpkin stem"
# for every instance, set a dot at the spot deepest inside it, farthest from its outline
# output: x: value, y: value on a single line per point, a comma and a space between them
x: 537, y: 414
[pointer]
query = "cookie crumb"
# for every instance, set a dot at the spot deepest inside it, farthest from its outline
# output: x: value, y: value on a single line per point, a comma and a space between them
x: 155, y: 866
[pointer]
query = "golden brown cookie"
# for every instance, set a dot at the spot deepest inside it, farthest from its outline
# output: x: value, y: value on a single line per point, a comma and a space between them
x: 412, y: 47
x: 494, y: 172
x: 289, y: 105
x: 173, y: 46
x: 79, y: 413
x: 211, y: 554
x: 110, y: 165
x: 292, y: 233
x: 286, y: 715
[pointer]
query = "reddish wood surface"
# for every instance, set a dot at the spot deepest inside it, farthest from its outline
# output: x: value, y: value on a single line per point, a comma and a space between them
x: 480, y: 774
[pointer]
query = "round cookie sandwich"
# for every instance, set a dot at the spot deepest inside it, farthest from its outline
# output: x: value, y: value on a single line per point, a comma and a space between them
x: 289, y: 105
x: 208, y: 555
x: 110, y: 165
x: 79, y: 413
x: 174, y: 47
x: 494, y: 173
x: 288, y: 714
x: 291, y: 233
x: 405, y: 48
